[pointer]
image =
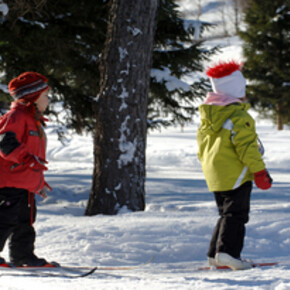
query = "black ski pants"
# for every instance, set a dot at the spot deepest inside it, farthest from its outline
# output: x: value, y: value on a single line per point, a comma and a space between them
x: 17, y: 214
x: 233, y: 207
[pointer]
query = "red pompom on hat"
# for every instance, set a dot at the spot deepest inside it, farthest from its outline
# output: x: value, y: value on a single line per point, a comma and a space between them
x: 223, y: 69
x: 28, y: 86
x: 226, y: 78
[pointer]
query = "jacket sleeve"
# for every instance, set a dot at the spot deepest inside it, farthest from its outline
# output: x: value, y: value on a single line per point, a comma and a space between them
x: 11, y: 135
x: 244, y: 138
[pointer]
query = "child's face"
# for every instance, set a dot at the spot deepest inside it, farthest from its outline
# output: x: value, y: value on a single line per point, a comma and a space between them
x: 43, y: 101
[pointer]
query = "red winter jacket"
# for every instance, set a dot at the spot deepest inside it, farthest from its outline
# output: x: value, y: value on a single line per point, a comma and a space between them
x: 19, y: 137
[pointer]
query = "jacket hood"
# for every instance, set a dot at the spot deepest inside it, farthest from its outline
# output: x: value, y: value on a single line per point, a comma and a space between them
x: 213, y: 117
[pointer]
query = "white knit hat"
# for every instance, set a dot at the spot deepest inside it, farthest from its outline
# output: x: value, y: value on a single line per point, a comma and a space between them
x: 226, y: 78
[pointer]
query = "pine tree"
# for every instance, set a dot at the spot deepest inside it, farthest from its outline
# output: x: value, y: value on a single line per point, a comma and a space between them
x: 267, y: 52
x: 63, y: 40
x: 178, y: 54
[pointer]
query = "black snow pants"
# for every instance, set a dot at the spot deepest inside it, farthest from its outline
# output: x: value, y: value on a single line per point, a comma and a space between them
x: 229, y: 232
x: 17, y: 214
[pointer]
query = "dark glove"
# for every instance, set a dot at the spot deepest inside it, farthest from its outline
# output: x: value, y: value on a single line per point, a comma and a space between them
x: 34, y: 163
x: 263, y: 179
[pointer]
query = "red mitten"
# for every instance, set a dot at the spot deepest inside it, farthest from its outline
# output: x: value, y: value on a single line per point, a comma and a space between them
x: 34, y: 163
x: 263, y: 179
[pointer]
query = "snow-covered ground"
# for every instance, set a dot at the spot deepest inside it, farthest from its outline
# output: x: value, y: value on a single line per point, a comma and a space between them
x: 175, y: 228
x: 220, y: 13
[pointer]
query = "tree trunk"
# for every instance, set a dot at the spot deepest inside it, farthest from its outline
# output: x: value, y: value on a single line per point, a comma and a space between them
x: 279, y: 118
x: 279, y: 122
x: 236, y: 16
x: 121, y: 109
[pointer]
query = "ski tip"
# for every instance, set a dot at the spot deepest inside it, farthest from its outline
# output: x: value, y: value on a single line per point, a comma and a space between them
x: 5, y: 265
x: 254, y: 265
x: 208, y: 268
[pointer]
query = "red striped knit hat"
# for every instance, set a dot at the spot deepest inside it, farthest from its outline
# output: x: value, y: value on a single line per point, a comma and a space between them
x: 226, y: 78
x: 28, y: 86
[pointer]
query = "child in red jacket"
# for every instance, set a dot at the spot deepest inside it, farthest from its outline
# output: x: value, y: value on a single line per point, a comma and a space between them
x: 22, y: 163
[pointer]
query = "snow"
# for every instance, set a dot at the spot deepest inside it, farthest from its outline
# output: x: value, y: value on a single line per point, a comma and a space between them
x: 175, y: 228
x: 220, y: 13
x: 172, y: 83
x: 3, y: 8
x: 196, y: 25
x: 4, y: 88
x: 123, y: 53
x: 42, y: 25
x: 134, y: 30
x: 178, y: 221
x: 124, y: 95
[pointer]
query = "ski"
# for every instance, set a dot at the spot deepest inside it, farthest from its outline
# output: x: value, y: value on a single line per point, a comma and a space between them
x: 254, y: 265
x: 46, y: 272
x: 108, y: 268
x: 63, y: 271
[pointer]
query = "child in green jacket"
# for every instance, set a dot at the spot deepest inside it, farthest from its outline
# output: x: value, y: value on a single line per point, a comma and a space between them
x: 230, y: 159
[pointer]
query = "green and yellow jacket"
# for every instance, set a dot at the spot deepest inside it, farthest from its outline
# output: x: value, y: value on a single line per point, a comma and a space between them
x: 228, y: 146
